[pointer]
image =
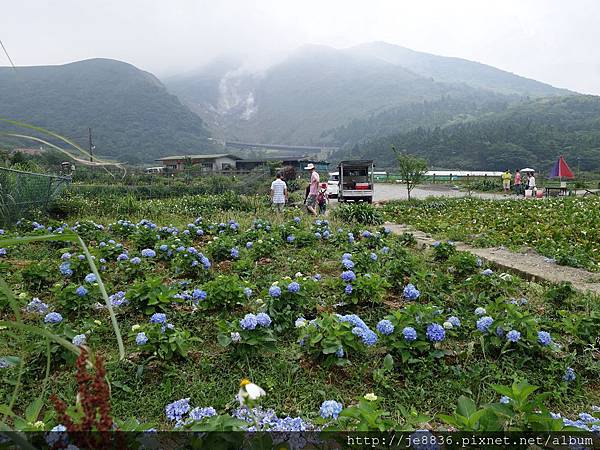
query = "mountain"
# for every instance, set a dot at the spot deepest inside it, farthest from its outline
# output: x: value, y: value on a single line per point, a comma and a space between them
x: 458, y: 70
x: 308, y: 96
x: 132, y: 116
x: 532, y: 133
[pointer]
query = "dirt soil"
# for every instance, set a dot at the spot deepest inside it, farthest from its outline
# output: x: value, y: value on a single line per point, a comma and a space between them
x: 529, y: 265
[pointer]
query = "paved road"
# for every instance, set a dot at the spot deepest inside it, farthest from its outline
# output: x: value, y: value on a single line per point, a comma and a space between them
x: 388, y: 191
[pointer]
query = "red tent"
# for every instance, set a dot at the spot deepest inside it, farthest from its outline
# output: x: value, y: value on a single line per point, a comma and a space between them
x: 561, y: 170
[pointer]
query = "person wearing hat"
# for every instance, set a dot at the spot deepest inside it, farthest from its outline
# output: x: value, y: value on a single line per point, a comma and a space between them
x: 313, y: 191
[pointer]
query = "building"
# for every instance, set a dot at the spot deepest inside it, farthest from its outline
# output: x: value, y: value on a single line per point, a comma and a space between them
x: 297, y: 162
x: 216, y: 162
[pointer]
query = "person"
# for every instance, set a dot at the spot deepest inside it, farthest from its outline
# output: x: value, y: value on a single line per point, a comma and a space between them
x: 517, y: 182
x: 322, y: 198
x: 311, y: 200
x: 531, y: 183
x: 279, y: 193
x: 506, y: 176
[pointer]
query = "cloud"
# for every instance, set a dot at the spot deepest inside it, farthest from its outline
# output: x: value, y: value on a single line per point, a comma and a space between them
x: 549, y: 40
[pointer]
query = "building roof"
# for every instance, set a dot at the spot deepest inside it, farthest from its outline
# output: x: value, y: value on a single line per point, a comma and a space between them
x: 205, y: 157
x: 287, y: 158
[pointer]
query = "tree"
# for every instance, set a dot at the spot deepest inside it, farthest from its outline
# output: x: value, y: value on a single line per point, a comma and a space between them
x: 412, y: 169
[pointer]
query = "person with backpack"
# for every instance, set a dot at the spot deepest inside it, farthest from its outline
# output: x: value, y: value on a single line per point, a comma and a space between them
x: 322, y: 199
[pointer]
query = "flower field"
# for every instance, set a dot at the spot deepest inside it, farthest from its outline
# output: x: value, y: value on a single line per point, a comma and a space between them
x: 247, y: 320
x: 566, y: 230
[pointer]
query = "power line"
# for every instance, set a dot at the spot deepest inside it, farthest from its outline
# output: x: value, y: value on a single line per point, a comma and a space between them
x: 7, y: 55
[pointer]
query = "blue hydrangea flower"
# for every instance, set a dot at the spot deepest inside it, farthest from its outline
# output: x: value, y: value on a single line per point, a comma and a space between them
x: 148, y: 253
x: 385, y: 250
x: 366, y: 234
x: 318, y: 235
x: 235, y: 336
x: 340, y: 352
x: 293, y: 287
x: 569, y: 375
x: 504, y: 399
x: 455, y: 321
x: 484, y: 323
x: 90, y: 278
x: 513, y: 336
x: 275, y: 291
x: 141, y: 338
x: 373, y: 256
x: 122, y: 257
x: 158, y: 318
x: 317, y: 277
x: 247, y: 292
x: 354, y: 320
x: 409, y: 333
x: 487, y: 272
x: 368, y: 337
x: 347, y: 256
x: 79, y: 340
x: 177, y: 409
x: 348, y: 264
x: 36, y: 306
x: 199, y: 294
x: 235, y: 253
x: 297, y: 219
x: 65, y: 269
x: 263, y: 319
x: 198, y: 413
x: 435, y: 332
x: 385, y: 327
x: 348, y: 289
x: 81, y: 291
x: 164, y: 247
x: 290, y: 238
x: 136, y: 261
x: 348, y: 276
x: 411, y: 292
x: 480, y: 311
x: 544, y: 338
x: 478, y: 262
x: 330, y: 409
x: 249, y: 322
x: 53, y: 318
x: 499, y: 331
x: 249, y: 245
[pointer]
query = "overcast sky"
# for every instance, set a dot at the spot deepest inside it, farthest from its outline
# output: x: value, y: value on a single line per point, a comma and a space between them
x: 555, y: 41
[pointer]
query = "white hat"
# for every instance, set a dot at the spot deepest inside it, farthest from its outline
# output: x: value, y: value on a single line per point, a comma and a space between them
x: 310, y: 166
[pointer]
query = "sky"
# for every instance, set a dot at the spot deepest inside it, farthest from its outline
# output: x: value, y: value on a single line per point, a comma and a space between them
x: 554, y: 41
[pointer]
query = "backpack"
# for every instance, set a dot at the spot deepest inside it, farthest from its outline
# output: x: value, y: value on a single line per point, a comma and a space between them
x: 321, y: 198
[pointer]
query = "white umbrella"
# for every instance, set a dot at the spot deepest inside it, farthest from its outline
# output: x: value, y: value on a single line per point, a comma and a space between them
x: 527, y: 170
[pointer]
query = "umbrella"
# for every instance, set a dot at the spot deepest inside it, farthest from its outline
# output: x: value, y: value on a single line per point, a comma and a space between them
x: 527, y: 170
x: 561, y: 170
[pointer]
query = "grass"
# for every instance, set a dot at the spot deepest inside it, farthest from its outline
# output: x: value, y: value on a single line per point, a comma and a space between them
x: 295, y: 384
x: 566, y: 229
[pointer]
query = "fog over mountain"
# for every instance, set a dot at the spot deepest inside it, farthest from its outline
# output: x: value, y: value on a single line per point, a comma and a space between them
x: 318, y: 88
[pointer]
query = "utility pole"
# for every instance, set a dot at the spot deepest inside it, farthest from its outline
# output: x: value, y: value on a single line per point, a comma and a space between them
x: 92, y: 146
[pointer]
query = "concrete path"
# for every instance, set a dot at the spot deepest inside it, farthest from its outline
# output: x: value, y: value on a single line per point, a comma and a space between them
x: 389, y: 191
x: 529, y: 265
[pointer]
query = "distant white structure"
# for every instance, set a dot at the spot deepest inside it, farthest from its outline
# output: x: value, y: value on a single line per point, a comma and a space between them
x: 462, y: 173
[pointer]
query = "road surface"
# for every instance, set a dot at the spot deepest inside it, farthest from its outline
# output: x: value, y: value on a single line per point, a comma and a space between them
x: 389, y: 191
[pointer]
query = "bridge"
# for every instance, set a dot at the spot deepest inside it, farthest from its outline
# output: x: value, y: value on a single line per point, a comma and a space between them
x: 293, y: 148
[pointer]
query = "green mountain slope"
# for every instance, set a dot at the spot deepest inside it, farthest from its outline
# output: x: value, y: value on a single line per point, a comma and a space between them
x: 132, y: 116
x: 533, y: 134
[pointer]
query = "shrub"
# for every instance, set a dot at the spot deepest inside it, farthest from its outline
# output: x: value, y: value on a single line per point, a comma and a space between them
x: 362, y: 213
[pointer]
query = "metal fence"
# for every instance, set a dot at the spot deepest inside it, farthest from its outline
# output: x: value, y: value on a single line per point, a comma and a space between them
x: 21, y: 191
